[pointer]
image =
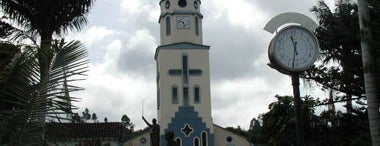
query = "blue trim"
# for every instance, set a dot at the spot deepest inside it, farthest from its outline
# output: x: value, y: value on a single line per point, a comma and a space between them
x: 188, y: 116
x: 182, y: 45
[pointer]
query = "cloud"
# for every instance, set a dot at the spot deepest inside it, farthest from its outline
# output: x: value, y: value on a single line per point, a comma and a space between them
x: 235, y: 50
x: 137, y: 54
x: 122, y: 36
x: 144, y: 9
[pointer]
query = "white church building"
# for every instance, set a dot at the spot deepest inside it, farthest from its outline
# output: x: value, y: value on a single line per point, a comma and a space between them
x: 183, y: 81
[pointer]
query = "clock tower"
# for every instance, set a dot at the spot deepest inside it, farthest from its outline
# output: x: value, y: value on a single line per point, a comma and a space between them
x: 183, y: 75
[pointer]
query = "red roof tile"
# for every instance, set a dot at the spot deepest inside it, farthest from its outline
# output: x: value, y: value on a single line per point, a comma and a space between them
x: 57, y: 131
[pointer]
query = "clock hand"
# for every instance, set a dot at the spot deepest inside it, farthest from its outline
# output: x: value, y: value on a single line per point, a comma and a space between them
x: 295, y: 49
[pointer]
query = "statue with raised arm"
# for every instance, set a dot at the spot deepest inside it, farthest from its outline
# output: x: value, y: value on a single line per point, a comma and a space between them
x: 155, y: 133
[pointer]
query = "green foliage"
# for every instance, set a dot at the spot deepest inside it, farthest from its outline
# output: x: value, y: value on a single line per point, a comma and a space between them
x: 341, y: 51
x: 279, y: 123
x: 94, y: 117
x: 339, y: 37
x: 128, y: 130
x: 329, y: 128
x: 22, y: 93
x: 5, y: 29
x: 254, y: 131
x: 346, y: 129
x: 86, y: 115
x: 48, y: 16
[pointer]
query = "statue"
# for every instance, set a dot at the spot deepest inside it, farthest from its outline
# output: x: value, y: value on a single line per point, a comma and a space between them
x: 155, y: 133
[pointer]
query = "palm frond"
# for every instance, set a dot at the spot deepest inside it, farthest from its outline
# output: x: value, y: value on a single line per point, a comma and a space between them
x: 29, y: 100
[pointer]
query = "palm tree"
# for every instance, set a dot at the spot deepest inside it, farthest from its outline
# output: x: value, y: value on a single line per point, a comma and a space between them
x: 20, y: 125
x: 370, y: 71
x: 47, y: 17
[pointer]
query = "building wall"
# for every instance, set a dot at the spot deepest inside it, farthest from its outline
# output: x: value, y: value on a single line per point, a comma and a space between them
x: 139, y: 140
x: 172, y: 59
x: 221, y: 136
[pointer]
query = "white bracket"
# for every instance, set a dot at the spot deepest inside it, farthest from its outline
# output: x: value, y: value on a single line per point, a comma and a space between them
x: 290, y: 17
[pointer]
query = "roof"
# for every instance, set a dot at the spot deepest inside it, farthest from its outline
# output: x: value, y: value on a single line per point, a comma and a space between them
x: 181, y: 45
x: 57, y: 131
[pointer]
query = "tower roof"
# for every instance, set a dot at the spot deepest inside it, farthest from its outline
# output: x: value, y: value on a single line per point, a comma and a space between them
x: 181, y: 45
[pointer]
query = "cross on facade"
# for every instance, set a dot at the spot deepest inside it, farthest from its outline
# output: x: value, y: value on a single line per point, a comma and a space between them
x: 185, y: 72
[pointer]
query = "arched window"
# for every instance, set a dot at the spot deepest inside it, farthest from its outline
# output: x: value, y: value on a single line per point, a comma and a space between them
x: 168, y: 26
x: 204, y: 139
x: 174, y: 94
x: 178, y: 141
x: 196, y: 141
x: 196, y: 26
x: 197, y: 94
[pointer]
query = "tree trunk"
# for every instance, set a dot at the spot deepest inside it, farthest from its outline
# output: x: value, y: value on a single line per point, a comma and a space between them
x: 44, y: 60
x: 369, y: 68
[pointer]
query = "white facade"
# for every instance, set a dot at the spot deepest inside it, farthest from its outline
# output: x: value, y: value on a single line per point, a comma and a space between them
x: 170, y: 15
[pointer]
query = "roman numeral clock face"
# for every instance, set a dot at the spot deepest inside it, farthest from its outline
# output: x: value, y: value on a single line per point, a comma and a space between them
x: 294, y: 49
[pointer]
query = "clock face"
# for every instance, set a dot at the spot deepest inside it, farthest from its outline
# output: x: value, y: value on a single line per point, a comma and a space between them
x: 167, y: 5
x: 294, y: 49
x: 183, y: 22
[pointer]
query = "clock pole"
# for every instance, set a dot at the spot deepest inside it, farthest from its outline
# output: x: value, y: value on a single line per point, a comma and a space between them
x: 297, y: 106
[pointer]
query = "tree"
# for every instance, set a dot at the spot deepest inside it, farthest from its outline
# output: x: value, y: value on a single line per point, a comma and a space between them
x: 127, y: 122
x: 128, y: 130
x: 254, y: 131
x: 46, y: 18
x: 340, y: 44
x: 371, y: 71
x: 93, y: 117
x: 76, y: 118
x: 341, y: 69
x: 279, y: 123
x: 22, y: 91
x: 86, y: 115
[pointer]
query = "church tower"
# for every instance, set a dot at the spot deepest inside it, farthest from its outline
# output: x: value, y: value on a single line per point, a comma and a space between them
x: 183, y: 75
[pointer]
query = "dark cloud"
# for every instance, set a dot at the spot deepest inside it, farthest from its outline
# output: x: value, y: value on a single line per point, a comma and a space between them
x: 137, y: 61
x: 275, y: 7
x: 233, y: 49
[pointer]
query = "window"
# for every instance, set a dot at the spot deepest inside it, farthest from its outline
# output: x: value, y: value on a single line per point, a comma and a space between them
x: 185, y: 69
x: 196, y: 26
x: 178, y: 141
x: 197, y: 94
x: 174, y: 94
x: 185, y: 96
x: 229, y: 139
x: 204, y: 139
x: 196, y: 141
x: 168, y: 26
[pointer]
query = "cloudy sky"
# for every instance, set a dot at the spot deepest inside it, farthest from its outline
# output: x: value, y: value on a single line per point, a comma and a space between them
x: 122, y: 36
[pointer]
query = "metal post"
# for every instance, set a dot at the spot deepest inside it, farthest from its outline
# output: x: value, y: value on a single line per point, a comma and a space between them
x: 297, y: 105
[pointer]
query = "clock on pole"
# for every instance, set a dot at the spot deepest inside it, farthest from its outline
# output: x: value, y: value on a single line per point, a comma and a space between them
x: 292, y: 51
